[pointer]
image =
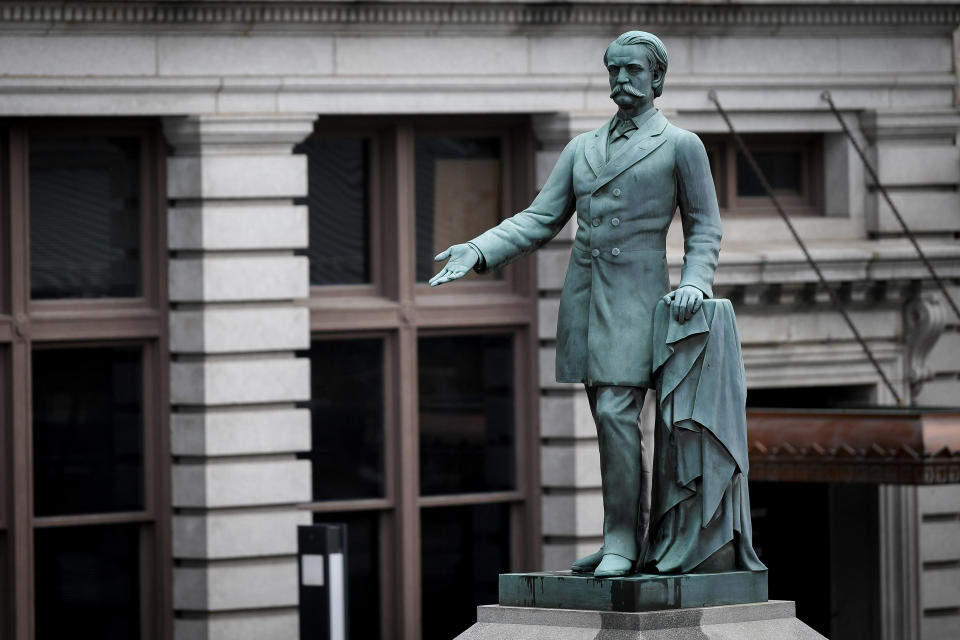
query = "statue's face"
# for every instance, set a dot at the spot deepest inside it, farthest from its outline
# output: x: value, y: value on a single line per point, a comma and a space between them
x: 632, y: 75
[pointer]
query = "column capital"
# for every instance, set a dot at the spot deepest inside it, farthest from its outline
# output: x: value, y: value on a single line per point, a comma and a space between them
x: 215, y: 134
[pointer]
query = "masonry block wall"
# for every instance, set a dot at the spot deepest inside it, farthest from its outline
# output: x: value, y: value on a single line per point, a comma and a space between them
x: 939, y: 547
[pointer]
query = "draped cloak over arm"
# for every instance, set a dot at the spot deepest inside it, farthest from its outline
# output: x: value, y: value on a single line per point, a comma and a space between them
x: 700, y: 495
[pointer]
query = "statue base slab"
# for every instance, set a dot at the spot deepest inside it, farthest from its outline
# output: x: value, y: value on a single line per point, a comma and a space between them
x: 756, y: 621
x: 640, y: 592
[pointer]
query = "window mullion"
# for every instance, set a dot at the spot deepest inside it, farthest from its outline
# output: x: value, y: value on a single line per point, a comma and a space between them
x: 406, y: 259
x: 525, y: 526
x: 407, y: 479
x: 408, y: 485
x: 21, y: 515
x: 21, y: 455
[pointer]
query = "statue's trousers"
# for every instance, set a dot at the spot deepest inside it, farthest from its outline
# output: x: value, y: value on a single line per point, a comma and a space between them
x: 625, y: 480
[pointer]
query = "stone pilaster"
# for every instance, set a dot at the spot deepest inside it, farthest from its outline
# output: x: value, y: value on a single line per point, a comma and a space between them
x: 900, y: 568
x: 235, y: 325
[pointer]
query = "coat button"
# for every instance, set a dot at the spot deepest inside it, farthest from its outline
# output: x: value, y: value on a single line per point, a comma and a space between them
x: 595, y: 253
x: 615, y: 251
x: 615, y: 222
x: 617, y: 192
x: 596, y: 222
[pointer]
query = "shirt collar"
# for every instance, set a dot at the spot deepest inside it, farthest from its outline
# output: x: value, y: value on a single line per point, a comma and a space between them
x: 638, y: 121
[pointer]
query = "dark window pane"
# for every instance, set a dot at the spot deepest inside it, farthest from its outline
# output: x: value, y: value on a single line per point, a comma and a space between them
x: 782, y: 169
x: 466, y: 414
x: 363, y: 571
x: 84, y: 216
x: 87, y: 582
x: 347, y: 416
x: 457, y: 194
x: 471, y: 546
x: 87, y: 430
x: 338, y: 200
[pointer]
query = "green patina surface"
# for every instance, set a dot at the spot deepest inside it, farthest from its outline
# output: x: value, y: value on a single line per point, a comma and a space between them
x: 640, y: 592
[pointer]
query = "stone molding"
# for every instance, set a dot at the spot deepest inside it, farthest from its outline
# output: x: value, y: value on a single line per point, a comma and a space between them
x: 775, y: 102
x: 865, y: 263
x: 218, y: 14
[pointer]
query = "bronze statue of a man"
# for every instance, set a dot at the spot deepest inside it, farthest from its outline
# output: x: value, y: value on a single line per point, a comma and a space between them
x: 625, y: 180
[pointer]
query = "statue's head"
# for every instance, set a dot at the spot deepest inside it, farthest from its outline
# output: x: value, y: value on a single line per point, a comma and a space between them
x: 637, y: 64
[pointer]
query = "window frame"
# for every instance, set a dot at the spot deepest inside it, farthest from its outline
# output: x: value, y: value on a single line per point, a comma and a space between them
x: 27, y: 324
x: 810, y: 202
x: 399, y: 310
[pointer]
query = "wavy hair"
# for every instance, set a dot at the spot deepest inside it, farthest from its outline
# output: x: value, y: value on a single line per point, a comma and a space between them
x: 655, y: 50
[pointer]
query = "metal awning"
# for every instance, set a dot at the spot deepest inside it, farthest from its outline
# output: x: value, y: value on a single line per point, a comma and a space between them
x: 881, y: 446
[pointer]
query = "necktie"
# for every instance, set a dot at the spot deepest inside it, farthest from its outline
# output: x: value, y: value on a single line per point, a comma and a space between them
x: 618, y: 136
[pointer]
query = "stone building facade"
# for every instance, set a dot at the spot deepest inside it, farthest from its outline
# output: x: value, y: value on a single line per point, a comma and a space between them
x: 237, y: 106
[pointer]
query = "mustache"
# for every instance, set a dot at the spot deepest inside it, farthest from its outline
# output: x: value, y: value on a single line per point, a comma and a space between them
x: 627, y: 89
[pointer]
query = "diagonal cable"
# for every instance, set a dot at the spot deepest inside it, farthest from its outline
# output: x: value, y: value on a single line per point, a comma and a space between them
x: 803, y: 247
x: 886, y: 196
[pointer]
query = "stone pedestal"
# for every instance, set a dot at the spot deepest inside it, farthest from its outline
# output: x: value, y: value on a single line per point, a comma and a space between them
x: 640, y: 592
x: 756, y: 621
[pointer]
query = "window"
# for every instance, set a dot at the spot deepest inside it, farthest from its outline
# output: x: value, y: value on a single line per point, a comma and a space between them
x: 792, y: 164
x: 423, y: 400
x: 83, y: 381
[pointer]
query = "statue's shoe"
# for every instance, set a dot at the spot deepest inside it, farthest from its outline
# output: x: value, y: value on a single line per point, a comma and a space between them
x: 587, y: 564
x: 613, y: 566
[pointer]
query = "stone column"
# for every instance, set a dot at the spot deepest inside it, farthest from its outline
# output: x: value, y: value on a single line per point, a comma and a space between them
x: 236, y: 322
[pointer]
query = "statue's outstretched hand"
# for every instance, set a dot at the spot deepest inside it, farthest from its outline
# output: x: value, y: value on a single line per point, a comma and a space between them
x: 463, y: 257
x: 684, y: 302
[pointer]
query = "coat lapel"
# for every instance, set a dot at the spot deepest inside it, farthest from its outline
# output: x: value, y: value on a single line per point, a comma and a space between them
x: 638, y: 147
x: 596, y: 150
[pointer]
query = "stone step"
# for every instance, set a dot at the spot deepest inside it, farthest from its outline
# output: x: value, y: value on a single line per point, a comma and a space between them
x: 755, y: 621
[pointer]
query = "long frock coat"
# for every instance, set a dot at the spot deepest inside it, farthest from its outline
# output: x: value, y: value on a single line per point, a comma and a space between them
x: 618, y: 266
